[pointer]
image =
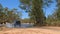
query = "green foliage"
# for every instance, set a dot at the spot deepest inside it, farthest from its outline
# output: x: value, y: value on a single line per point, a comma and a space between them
x: 7, y: 15
x: 35, y: 10
x: 25, y: 1
x: 25, y: 20
x: 54, y: 19
x: 1, y: 7
x: 58, y: 14
x: 58, y: 11
x: 47, y: 2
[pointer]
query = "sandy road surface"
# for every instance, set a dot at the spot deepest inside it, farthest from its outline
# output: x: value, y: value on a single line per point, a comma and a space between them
x: 32, y: 31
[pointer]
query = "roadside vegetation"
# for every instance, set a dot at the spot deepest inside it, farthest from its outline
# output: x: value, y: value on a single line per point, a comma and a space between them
x: 36, y: 13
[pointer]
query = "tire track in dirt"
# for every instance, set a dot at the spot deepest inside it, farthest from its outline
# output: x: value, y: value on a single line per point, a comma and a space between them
x: 30, y: 31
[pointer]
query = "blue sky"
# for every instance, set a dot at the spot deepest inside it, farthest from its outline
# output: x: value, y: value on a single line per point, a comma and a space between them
x: 49, y: 10
x: 15, y: 3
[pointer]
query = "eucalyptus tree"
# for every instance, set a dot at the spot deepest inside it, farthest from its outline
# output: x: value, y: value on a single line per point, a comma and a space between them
x: 34, y: 9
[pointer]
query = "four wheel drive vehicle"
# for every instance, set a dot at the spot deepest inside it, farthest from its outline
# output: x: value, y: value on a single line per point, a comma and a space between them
x: 17, y: 24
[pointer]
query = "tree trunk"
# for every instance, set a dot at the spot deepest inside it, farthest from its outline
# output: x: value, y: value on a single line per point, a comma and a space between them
x: 39, y: 22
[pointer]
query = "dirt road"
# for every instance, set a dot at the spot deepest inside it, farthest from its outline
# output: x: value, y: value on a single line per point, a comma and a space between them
x: 44, y: 30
